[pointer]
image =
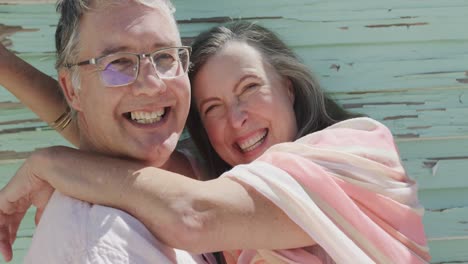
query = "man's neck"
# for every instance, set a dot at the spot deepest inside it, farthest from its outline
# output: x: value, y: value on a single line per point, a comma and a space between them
x: 177, y: 162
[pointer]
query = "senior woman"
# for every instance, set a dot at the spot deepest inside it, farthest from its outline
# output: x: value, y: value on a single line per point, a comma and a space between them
x: 315, y: 187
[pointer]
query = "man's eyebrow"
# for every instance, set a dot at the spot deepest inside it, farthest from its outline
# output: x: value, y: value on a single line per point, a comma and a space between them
x: 115, y: 49
x: 111, y: 50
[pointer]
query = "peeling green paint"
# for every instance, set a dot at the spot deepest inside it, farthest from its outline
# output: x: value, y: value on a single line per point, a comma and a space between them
x: 402, y: 62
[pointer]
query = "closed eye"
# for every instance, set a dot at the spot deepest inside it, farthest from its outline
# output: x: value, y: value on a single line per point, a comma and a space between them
x: 163, y: 57
x: 118, y: 62
x: 249, y: 89
x: 210, y: 108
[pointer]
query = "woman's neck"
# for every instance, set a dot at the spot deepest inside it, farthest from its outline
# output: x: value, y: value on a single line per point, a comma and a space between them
x: 179, y: 163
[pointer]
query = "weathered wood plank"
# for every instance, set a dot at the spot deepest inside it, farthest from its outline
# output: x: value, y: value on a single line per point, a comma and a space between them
x: 365, y: 43
x: 447, y: 241
x: 449, y: 251
x: 441, y: 199
x: 401, y: 62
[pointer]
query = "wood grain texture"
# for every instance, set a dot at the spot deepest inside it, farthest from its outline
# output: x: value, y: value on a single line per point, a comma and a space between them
x: 402, y: 62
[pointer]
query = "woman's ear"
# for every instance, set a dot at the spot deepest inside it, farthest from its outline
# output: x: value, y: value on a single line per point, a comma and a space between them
x: 70, y: 92
x: 291, y: 92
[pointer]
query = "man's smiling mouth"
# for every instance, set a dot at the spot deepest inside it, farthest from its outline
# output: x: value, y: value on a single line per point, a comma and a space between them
x: 145, y: 118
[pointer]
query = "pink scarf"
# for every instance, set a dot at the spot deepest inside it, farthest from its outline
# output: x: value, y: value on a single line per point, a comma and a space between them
x: 345, y: 186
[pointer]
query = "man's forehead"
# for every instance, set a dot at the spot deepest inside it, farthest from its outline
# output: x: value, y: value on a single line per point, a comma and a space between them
x: 114, y: 11
x: 141, y: 42
x: 166, y: 4
x: 134, y: 28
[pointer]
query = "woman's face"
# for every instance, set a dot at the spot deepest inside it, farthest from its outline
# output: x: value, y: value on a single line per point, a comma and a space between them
x: 244, y: 104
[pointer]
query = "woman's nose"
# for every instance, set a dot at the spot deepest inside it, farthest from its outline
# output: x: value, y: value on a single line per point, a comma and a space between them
x: 237, y: 115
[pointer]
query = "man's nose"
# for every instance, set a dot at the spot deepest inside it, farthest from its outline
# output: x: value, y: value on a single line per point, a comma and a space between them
x: 148, y: 81
x: 237, y: 115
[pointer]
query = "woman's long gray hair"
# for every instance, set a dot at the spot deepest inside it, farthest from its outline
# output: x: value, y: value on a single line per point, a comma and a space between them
x: 313, y: 109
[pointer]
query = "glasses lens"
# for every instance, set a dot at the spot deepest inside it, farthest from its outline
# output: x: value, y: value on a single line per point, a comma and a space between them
x: 171, y: 62
x: 119, y: 69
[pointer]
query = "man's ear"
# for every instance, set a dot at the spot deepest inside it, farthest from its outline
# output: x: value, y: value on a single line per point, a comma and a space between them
x: 70, y: 93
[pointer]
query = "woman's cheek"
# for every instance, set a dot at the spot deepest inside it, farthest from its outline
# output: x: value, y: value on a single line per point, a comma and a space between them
x: 213, y: 129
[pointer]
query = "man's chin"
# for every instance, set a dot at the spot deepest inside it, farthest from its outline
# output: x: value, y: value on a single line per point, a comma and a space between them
x: 157, y: 157
x: 155, y: 153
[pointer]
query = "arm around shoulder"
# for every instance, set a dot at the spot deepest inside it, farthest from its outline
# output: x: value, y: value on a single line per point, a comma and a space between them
x: 181, y: 212
x: 220, y: 214
x: 35, y: 89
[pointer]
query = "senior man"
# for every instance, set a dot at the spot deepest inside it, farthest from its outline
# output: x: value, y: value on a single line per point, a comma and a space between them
x: 123, y: 70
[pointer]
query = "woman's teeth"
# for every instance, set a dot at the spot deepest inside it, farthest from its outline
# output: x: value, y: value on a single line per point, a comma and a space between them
x: 253, y: 142
x: 147, y: 117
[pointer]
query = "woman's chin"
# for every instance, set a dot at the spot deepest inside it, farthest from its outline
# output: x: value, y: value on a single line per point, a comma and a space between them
x: 253, y: 154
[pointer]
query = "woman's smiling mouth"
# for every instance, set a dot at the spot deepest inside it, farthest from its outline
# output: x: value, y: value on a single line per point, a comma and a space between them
x: 252, y: 142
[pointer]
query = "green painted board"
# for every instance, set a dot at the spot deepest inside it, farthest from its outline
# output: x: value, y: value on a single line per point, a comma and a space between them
x: 402, y: 62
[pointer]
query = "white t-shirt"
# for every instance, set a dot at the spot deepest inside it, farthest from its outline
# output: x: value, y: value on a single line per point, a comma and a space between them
x: 73, y: 231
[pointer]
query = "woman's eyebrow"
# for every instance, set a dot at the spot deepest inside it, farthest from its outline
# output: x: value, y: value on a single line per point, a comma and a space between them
x: 236, y: 86
x: 206, y: 100
x: 245, y: 77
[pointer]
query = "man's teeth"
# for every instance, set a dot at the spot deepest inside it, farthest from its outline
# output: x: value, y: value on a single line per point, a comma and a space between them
x: 147, y: 117
x: 253, y: 142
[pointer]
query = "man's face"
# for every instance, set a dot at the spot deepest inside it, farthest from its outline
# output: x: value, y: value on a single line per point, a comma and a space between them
x: 106, y: 112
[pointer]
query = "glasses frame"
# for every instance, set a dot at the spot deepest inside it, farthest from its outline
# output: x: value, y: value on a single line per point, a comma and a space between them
x: 140, y: 56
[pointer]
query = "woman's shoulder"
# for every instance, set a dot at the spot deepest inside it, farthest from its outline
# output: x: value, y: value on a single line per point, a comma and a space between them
x: 362, y: 131
x: 359, y: 123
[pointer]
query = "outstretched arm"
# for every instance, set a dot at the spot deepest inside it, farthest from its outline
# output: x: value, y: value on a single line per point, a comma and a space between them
x: 197, y: 216
x: 38, y: 91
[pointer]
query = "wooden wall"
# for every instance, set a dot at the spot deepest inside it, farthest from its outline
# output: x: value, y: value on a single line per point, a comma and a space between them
x: 403, y: 62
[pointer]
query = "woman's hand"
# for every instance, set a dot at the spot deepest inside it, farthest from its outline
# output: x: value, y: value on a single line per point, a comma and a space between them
x: 22, y: 191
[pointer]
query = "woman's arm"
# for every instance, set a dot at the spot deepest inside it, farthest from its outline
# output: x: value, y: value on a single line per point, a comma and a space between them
x: 220, y: 214
x: 197, y: 216
x: 38, y: 91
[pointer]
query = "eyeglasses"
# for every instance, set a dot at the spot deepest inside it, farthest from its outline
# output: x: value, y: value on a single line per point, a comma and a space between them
x: 122, y: 68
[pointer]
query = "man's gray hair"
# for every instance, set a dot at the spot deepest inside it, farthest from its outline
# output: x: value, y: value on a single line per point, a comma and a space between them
x: 67, y: 33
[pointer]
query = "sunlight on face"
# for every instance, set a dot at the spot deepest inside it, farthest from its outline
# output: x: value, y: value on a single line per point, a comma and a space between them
x: 142, y: 120
x: 244, y: 104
